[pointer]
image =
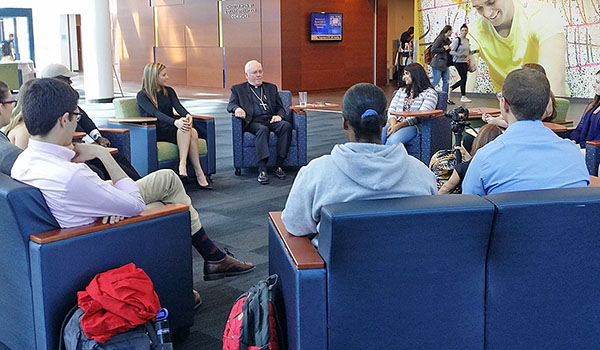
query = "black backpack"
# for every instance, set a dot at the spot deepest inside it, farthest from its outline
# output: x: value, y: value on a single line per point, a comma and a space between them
x: 72, y: 337
x: 6, y: 51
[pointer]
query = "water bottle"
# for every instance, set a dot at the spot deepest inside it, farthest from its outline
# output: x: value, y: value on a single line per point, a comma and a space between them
x: 163, y: 333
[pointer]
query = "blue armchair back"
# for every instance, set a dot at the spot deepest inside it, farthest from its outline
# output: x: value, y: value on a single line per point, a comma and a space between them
x: 39, y: 281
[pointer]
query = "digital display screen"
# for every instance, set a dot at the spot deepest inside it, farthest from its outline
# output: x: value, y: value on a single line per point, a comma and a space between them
x: 325, y: 26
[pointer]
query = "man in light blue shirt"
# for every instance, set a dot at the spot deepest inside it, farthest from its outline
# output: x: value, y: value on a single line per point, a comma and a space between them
x: 528, y: 156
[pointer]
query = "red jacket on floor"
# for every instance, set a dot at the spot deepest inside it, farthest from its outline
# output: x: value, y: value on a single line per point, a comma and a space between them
x: 116, y: 301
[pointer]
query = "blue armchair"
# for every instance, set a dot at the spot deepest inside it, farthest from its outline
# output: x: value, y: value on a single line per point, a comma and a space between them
x: 148, y: 155
x: 542, y: 285
x: 592, y: 156
x: 120, y: 139
x: 417, y: 282
x: 43, y: 266
x: 434, y: 134
x: 244, y: 154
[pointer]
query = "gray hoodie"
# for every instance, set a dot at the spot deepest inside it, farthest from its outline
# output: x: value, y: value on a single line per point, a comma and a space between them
x: 353, y: 171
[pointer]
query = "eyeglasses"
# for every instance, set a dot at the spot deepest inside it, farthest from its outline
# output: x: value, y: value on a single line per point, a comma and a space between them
x: 499, y: 96
x: 77, y: 114
x: 11, y: 102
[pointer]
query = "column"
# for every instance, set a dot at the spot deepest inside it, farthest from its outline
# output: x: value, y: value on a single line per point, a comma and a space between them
x: 97, y: 52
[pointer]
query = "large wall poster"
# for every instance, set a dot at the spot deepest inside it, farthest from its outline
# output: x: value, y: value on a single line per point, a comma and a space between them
x: 562, y: 35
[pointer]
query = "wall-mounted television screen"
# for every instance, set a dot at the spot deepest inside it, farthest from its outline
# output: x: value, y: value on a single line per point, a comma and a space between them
x: 325, y: 26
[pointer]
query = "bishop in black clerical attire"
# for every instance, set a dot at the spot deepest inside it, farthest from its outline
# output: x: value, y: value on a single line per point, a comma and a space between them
x: 259, y: 106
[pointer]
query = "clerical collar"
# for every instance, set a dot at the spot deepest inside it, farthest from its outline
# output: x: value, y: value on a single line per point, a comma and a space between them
x: 256, y: 86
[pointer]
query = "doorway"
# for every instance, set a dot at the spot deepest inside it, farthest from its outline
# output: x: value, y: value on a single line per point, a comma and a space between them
x: 70, y: 43
x: 19, y: 23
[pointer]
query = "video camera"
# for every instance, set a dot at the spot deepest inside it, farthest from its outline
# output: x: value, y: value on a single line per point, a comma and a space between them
x: 458, y: 121
x: 459, y: 118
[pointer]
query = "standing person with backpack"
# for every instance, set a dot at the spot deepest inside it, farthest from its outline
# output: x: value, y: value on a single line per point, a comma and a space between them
x: 441, y: 59
x: 8, y: 50
x: 460, y: 51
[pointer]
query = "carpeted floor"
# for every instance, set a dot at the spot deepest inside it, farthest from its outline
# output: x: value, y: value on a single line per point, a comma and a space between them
x: 235, y: 217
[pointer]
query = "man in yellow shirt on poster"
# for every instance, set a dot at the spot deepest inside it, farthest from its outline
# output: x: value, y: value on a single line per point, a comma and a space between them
x: 510, y: 33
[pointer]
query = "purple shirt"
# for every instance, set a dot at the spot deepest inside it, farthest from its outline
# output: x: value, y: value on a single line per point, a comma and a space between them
x: 74, y: 193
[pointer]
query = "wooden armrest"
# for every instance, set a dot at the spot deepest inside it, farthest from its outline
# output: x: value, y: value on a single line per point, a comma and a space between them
x: 66, y: 233
x: 133, y: 120
x: 563, y: 122
x: 202, y: 117
x: 114, y: 131
x: 137, y: 125
x: 322, y: 105
x: 431, y: 113
x: 555, y: 127
x: 78, y: 134
x: 302, y: 252
x: 479, y: 111
x: 593, y: 143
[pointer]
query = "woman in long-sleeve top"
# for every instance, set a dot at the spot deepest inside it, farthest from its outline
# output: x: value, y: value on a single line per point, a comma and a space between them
x: 158, y: 100
x: 417, y: 95
x: 440, y: 62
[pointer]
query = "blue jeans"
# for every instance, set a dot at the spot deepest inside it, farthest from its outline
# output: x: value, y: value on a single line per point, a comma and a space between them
x: 402, y: 135
x: 436, y: 78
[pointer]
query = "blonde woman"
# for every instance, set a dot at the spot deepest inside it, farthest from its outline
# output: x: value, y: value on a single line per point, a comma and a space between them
x: 158, y: 100
x: 15, y: 130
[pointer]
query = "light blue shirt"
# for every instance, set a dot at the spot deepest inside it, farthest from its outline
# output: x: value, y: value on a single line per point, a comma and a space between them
x: 528, y: 156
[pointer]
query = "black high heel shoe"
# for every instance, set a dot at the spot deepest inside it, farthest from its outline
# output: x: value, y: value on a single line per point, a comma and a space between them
x: 206, y: 187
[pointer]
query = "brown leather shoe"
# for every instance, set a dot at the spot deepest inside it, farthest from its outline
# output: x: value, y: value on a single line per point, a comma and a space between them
x: 226, y: 267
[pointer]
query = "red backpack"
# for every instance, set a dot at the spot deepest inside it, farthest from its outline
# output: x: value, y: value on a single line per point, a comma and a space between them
x: 253, y: 322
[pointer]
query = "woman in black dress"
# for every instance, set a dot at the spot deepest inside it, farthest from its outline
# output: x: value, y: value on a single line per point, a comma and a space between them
x: 158, y: 100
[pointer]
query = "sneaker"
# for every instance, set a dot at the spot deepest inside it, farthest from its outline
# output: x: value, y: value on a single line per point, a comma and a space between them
x: 263, y: 178
x: 280, y: 173
x: 450, y: 102
x: 465, y: 99
x: 227, y: 267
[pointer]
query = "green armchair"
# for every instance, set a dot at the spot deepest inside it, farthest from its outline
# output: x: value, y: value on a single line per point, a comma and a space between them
x: 148, y: 154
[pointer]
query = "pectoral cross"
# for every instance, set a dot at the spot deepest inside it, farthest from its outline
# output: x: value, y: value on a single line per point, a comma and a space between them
x: 262, y: 103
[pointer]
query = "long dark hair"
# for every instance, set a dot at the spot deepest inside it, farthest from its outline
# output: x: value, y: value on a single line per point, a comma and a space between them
x: 364, y: 107
x: 487, y: 134
x: 595, y: 101
x: 446, y: 29
x: 420, y: 80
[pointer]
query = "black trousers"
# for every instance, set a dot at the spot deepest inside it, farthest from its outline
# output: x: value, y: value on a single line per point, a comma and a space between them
x: 462, y: 72
x: 282, y: 129
x: 97, y: 166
